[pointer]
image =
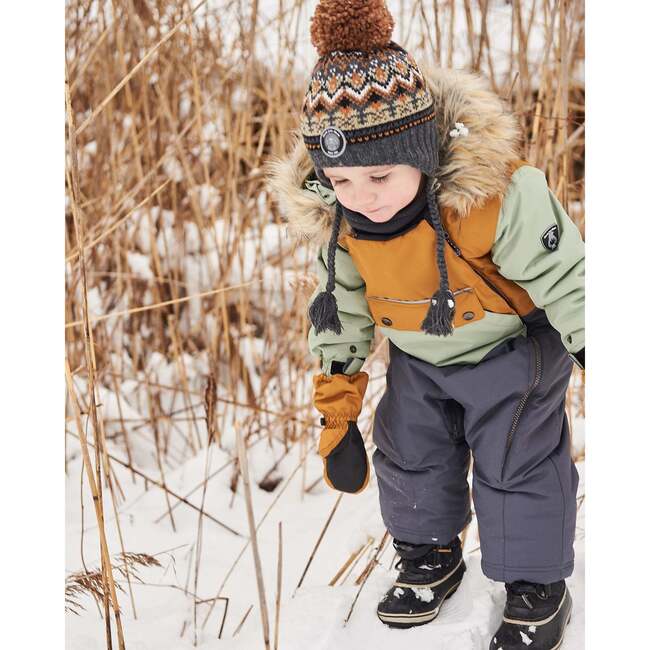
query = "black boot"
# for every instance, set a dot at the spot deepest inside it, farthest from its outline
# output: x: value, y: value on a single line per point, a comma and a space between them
x: 429, y: 573
x: 535, y: 616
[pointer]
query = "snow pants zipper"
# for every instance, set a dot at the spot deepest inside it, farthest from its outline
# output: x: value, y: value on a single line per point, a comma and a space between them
x: 522, y: 402
x: 485, y: 279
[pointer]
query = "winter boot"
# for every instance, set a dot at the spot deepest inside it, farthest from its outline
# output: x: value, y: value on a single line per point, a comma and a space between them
x: 535, y: 616
x: 429, y: 573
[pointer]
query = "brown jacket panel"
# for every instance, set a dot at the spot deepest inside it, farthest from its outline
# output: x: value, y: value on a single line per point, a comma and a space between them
x: 401, y: 274
x: 475, y: 235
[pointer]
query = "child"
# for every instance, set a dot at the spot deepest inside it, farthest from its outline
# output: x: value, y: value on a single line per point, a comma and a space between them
x: 432, y: 229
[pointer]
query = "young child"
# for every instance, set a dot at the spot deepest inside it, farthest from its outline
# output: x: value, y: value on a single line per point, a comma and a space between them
x: 432, y: 229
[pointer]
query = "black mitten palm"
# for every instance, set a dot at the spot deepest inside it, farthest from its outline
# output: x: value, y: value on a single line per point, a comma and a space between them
x: 346, y: 466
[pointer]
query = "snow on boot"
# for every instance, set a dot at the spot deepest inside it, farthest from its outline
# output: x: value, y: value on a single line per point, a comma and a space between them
x: 535, y: 616
x: 429, y: 573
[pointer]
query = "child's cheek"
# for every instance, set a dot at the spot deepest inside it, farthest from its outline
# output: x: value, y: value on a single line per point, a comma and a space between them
x: 341, y: 197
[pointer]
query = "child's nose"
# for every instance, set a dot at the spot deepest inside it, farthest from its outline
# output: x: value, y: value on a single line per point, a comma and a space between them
x: 364, y: 198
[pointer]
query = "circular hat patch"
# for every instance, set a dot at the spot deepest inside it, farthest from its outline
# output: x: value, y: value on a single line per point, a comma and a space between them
x: 332, y: 142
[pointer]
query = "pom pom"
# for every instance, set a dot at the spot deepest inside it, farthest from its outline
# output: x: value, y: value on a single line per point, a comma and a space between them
x: 351, y: 25
x: 440, y: 316
x: 323, y: 313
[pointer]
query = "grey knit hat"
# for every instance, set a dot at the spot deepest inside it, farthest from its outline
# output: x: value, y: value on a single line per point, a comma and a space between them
x: 367, y: 104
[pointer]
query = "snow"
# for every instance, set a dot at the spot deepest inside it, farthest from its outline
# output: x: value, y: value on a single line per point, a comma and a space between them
x: 139, y: 265
x: 312, y: 617
x: 209, y: 196
x: 173, y: 167
x: 425, y: 594
x: 525, y: 638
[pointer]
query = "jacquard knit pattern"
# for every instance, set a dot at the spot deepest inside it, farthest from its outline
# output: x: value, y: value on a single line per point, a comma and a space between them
x: 367, y: 95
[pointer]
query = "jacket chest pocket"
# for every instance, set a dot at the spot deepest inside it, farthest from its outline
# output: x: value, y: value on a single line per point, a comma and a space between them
x: 401, y: 314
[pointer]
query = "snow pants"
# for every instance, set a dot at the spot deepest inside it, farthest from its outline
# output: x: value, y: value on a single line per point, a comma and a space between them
x: 509, y: 412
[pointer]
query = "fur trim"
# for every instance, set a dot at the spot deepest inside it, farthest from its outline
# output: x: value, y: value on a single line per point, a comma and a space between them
x: 306, y: 215
x: 476, y: 166
x: 473, y: 167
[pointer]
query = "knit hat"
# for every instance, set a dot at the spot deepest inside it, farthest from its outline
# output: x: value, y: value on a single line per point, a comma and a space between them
x: 367, y: 104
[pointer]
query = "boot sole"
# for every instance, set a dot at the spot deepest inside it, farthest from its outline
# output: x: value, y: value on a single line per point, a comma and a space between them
x: 412, y: 620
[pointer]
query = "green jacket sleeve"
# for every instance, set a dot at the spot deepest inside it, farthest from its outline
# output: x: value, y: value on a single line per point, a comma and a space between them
x: 538, y: 246
x: 353, y: 344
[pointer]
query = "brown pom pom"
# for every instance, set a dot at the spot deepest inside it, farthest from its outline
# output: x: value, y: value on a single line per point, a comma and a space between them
x: 351, y: 25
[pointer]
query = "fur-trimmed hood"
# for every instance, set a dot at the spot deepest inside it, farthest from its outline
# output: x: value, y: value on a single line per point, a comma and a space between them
x: 473, y: 166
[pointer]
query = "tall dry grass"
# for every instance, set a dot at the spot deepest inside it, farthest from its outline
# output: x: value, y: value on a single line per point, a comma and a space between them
x: 185, y: 299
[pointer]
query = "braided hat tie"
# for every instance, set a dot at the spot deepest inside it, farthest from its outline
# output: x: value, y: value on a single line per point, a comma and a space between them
x: 367, y: 104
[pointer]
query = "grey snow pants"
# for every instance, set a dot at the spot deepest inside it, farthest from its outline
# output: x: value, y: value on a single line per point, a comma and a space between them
x: 509, y: 411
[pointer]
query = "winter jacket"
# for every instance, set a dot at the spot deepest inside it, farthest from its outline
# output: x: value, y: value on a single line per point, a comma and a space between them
x: 510, y: 246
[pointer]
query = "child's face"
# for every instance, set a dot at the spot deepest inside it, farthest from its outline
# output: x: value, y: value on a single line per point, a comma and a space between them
x: 377, y: 192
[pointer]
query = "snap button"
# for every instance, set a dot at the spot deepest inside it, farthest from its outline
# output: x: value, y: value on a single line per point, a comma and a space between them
x: 387, y: 321
x: 353, y: 348
x: 468, y: 315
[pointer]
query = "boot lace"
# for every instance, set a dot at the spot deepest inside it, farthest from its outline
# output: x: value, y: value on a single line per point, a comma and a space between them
x: 423, y: 565
x: 522, y: 591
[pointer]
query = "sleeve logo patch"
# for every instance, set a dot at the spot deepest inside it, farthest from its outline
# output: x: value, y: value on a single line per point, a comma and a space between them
x: 551, y: 238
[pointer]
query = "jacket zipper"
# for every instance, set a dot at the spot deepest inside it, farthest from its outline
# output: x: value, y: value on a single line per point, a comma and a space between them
x: 487, y: 281
x: 420, y: 301
x: 522, y: 401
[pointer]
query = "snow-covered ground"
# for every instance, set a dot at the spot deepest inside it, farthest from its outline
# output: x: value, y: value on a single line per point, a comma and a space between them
x: 312, y: 617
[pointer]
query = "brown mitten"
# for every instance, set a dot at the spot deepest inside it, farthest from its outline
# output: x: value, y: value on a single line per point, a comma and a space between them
x: 345, y: 463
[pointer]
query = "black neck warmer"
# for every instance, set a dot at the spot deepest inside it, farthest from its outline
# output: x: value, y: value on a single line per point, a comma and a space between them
x: 401, y: 221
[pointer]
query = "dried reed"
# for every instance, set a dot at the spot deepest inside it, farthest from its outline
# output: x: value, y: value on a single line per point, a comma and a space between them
x: 179, y: 275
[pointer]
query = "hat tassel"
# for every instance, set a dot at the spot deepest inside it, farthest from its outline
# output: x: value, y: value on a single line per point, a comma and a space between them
x: 440, y: 314
x: 323, y: 313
